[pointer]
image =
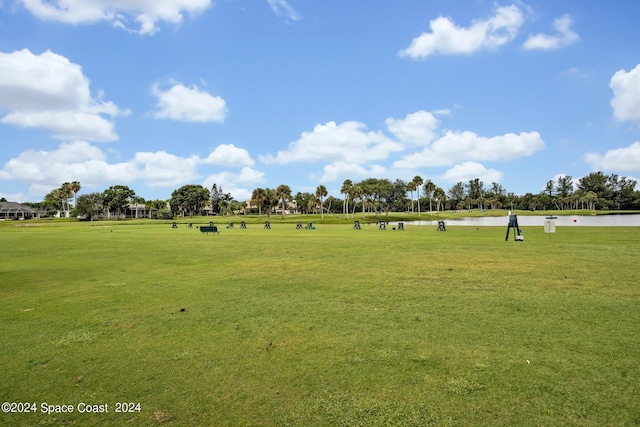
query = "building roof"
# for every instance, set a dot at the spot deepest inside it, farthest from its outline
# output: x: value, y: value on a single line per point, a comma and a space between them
x: 11, y: 207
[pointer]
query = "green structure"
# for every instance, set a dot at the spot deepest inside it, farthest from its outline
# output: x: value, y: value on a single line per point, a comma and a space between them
x: 517, y: 233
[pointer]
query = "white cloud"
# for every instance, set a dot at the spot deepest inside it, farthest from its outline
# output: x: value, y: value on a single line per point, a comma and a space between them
x: 350, y: 150
x: 161, y: 169
x: 239, y: 185
x: 626, y: 94
x: 71, y: 161
x: 467, y: 171
x: 456, y: 147
x: 81, y: 161
x: 229, y: 155
x: 146, y: 13
x: 334, y: 171
x: 65, y: 125
x: 347, y: 142
x: 48, y: 91
x: 418, y: 128
x: 447, y: 38
x: 282, y: 8
x: 189, y: 104
x: 347, y: 149
x: 14, y: 197
x: 564, y: 37
x: 625, y: 159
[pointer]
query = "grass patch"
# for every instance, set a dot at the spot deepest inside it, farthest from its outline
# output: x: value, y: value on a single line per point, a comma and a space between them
x: 331, y: 326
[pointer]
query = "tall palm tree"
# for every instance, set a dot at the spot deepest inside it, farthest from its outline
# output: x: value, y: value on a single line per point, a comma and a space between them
x: 429, y: 188
x: 356, y: 193
x: 75, y: 188
x: 347, y: 185
x: 417, y: 181
x: 258, y: 196
x: 66, y: 192
x: 321, y: 192
x: 411, y: 187
x: 58, y: 194
x: 283, y: 192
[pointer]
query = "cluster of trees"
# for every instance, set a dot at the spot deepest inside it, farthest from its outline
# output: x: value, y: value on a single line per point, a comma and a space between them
x: 59, y: 199
x: 594, y: 191
x: 116, y: 199
x: 193, y: 199
x: 369, y: 195
x: 269, y: 198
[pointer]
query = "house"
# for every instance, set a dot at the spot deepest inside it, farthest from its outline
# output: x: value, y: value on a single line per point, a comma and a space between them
x: 138, y: 210
x: 291, y: 208
x: 13, y: 210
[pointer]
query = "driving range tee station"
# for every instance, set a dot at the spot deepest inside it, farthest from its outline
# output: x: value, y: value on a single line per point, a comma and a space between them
x: 517, y: 233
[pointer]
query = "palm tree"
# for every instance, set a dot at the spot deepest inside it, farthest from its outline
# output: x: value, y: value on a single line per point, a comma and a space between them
x: 258, y: 196
x: 75, y: 188
x: 226, y: 200
x: 65, y: 193
x: 347, y: 185
x: 481, y: 201
x: 312, y: 204
x: 270, y: 199
x: 321, y: 192
x: 135, y: 201
x: 440, y: 196
x: 411, y: 187
x: 417, y: 181
x: 429, y: 188
x: 591, y: 199
x: 357, y: 193
x: 283, y: 192
x: 58, y: 194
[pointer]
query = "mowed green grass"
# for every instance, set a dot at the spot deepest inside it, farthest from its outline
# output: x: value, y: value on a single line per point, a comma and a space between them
x: 323, y: 327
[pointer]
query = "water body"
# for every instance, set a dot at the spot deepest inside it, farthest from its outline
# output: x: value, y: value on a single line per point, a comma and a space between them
x: 531, y: 220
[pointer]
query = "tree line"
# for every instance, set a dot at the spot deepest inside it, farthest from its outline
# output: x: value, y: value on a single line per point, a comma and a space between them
x: 596, y: 191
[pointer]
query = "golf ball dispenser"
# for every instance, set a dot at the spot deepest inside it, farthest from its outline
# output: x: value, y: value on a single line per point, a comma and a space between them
x: 517, y: 233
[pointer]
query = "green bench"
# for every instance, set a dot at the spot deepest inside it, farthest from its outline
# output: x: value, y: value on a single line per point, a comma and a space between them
x: 209, y: 229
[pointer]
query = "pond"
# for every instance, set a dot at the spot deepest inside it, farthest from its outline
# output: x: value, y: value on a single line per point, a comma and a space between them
x: 532, y: 220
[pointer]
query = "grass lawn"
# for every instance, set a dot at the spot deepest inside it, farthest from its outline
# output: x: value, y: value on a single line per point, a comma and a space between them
x: 325, y: 327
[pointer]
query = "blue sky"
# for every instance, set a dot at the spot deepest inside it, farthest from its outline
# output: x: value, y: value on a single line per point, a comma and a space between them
x: 155, y: 94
